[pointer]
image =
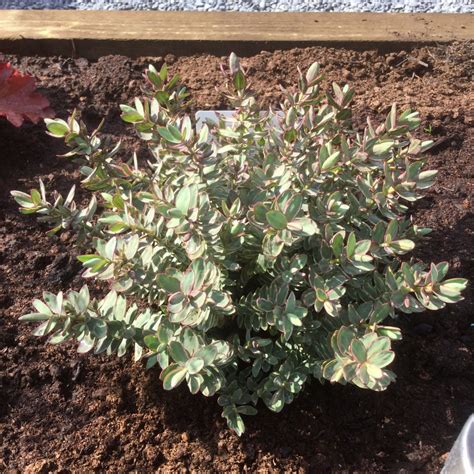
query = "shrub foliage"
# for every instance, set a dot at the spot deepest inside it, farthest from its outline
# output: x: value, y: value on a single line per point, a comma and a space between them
x: 253, y: 255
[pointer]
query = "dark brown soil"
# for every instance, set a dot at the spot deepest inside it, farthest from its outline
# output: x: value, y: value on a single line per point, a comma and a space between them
x: 60, y: 411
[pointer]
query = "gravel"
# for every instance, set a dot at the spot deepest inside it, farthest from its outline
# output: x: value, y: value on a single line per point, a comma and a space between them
x: 422, y: 6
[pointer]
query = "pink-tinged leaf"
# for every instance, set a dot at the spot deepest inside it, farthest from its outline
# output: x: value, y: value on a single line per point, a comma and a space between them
x: 19, y: 99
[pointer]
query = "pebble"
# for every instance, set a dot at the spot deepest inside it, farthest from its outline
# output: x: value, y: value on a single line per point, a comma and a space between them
x: 81, y: 62
x: 421, y: 6
x: 151, y: 452
x: 391, y: 59
x: 42, y: 466
x: 170, y: 59
x: 346, y: 74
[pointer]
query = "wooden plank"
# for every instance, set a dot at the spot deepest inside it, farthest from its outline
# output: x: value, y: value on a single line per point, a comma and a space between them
x: 94, y: 33
x: 218, y: 26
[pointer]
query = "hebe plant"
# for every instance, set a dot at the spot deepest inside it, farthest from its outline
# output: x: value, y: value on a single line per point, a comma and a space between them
x: 251, y: 256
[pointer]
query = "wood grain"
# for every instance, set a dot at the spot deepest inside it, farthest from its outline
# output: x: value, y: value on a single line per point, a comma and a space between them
x: 92, y: 33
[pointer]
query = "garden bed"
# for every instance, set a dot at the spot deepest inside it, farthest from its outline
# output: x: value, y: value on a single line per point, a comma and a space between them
x: 60, y: 410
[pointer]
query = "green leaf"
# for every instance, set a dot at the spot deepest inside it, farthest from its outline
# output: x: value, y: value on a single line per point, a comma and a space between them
x: 452, y: 287
x: 362, y: 247
x: 178, y: 352
x: 402, y: 246
x: 187, y: 282
x: 234, y: 420
x: 272, y: 245
x: 151, y: 342
x: 247, y: 410
x: 277, y: 402
x: 234, y: 63
x: 331, y: 161
x: 95, y: 262
x: 383, y: 147
x: 351, y: 245
x: 293, y: 207
x: 176, y: 303
x: 336, y: 293
x: 260, y: 212
x: 345, y: 336
x: 358, y: 350
x: 382, y: 359
x: 276, y: 219
x: 22, y: 199
x: 308, y: 298
x: 455, y: 284
x: 109, y: 249
x: 42, y: 308
x: 111, y: 219
x: 194, y: 365
x: 379, y: 345
x: 164, y: 72
x: 130, y: 115
x: 85, y: 346
x: 239, y: 80
x: 337, y: 244
x: 264, y: 304
x: 408, y: 274
x: 172, y: 376
x: 321, y: 294
x: 303, y: 226
x: 298, y: 262
x: 168, y: 135
x: 392, y: 231
x: 374, y: 371
x: 153, y: 77
x: 98, y: 328
x: 183, y: 200
x: 208, y: 354
x: 34, y: 317
x: 170, y: 284
x: 57, y: 128
x: 313, y: 72
x: 380, y: 313
x: 132, y: 246
x: 175, y: 132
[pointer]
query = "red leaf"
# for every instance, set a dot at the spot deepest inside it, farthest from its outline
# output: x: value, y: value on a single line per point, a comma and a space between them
x: 19, y: 99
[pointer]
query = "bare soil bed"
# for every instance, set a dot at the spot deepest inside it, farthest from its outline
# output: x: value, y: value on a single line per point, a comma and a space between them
x: 61, y: 411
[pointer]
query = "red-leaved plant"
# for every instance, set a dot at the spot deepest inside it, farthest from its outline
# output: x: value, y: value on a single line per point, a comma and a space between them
x: 19, y: 99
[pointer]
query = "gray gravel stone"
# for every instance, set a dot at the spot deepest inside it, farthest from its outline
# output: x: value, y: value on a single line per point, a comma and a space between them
x: 429, y: 6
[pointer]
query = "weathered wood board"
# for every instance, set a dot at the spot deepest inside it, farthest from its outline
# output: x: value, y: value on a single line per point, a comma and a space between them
x: 95, y: 33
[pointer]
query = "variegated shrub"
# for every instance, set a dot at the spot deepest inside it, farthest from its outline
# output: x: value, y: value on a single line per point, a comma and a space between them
x: 251, y: 256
